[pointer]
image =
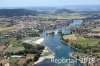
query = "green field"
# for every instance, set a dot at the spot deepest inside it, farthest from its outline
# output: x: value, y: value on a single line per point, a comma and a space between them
x: 89, y: 42
x: 12, y: 41
x: 97, y: 53
x: 84, y: 41
x: 5, y: 29
x: 68, y: 36
x: 83, y: 44
x: 14, y: 49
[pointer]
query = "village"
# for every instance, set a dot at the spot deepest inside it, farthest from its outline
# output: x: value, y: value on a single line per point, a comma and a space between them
x: 21, y: 44
x: 13, y: 31
x: 86, y: 39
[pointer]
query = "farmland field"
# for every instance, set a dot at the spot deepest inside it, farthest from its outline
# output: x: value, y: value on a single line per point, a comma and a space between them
x: 14, y: 49
x: 85, y: 41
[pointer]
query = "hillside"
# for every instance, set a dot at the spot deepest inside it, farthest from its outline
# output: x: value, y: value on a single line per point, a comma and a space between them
x: 16, y: 12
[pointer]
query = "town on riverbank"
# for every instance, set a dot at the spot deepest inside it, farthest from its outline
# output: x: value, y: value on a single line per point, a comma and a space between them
x: 22, y: 45
x: 86, y: 39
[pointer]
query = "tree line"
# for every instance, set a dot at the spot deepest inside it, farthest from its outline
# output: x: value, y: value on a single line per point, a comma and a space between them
x: 17, y: 12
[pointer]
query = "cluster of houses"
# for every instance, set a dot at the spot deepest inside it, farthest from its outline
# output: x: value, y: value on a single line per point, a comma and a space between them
x: 4, y: 36
x: 95, y: 33
x: 88, y: 60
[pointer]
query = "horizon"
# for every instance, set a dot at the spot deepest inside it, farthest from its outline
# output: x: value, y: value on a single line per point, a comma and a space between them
x: 64, y: 7
x: 45, y: 3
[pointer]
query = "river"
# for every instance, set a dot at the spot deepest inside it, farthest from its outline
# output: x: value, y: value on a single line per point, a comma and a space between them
x: 60, y: 49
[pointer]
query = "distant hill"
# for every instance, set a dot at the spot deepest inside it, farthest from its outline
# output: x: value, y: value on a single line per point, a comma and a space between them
x: 64, y: 11
x: 16, y: 12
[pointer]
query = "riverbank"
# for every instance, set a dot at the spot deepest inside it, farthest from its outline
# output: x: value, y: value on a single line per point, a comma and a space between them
x: 75, y: 57
x: 46, y: 54
x: 39, y: 41
x: 69, y: 45
x: 87, y: 58
x: 83, y: 58
x: 52, y: 42
x: 36, y: 40
x: 43, y: 56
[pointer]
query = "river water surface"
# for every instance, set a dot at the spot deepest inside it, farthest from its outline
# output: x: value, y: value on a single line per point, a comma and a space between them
x: 59, y: 49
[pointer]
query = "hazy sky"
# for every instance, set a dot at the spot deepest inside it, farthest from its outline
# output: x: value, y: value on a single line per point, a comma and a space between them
x: 27, y: 3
